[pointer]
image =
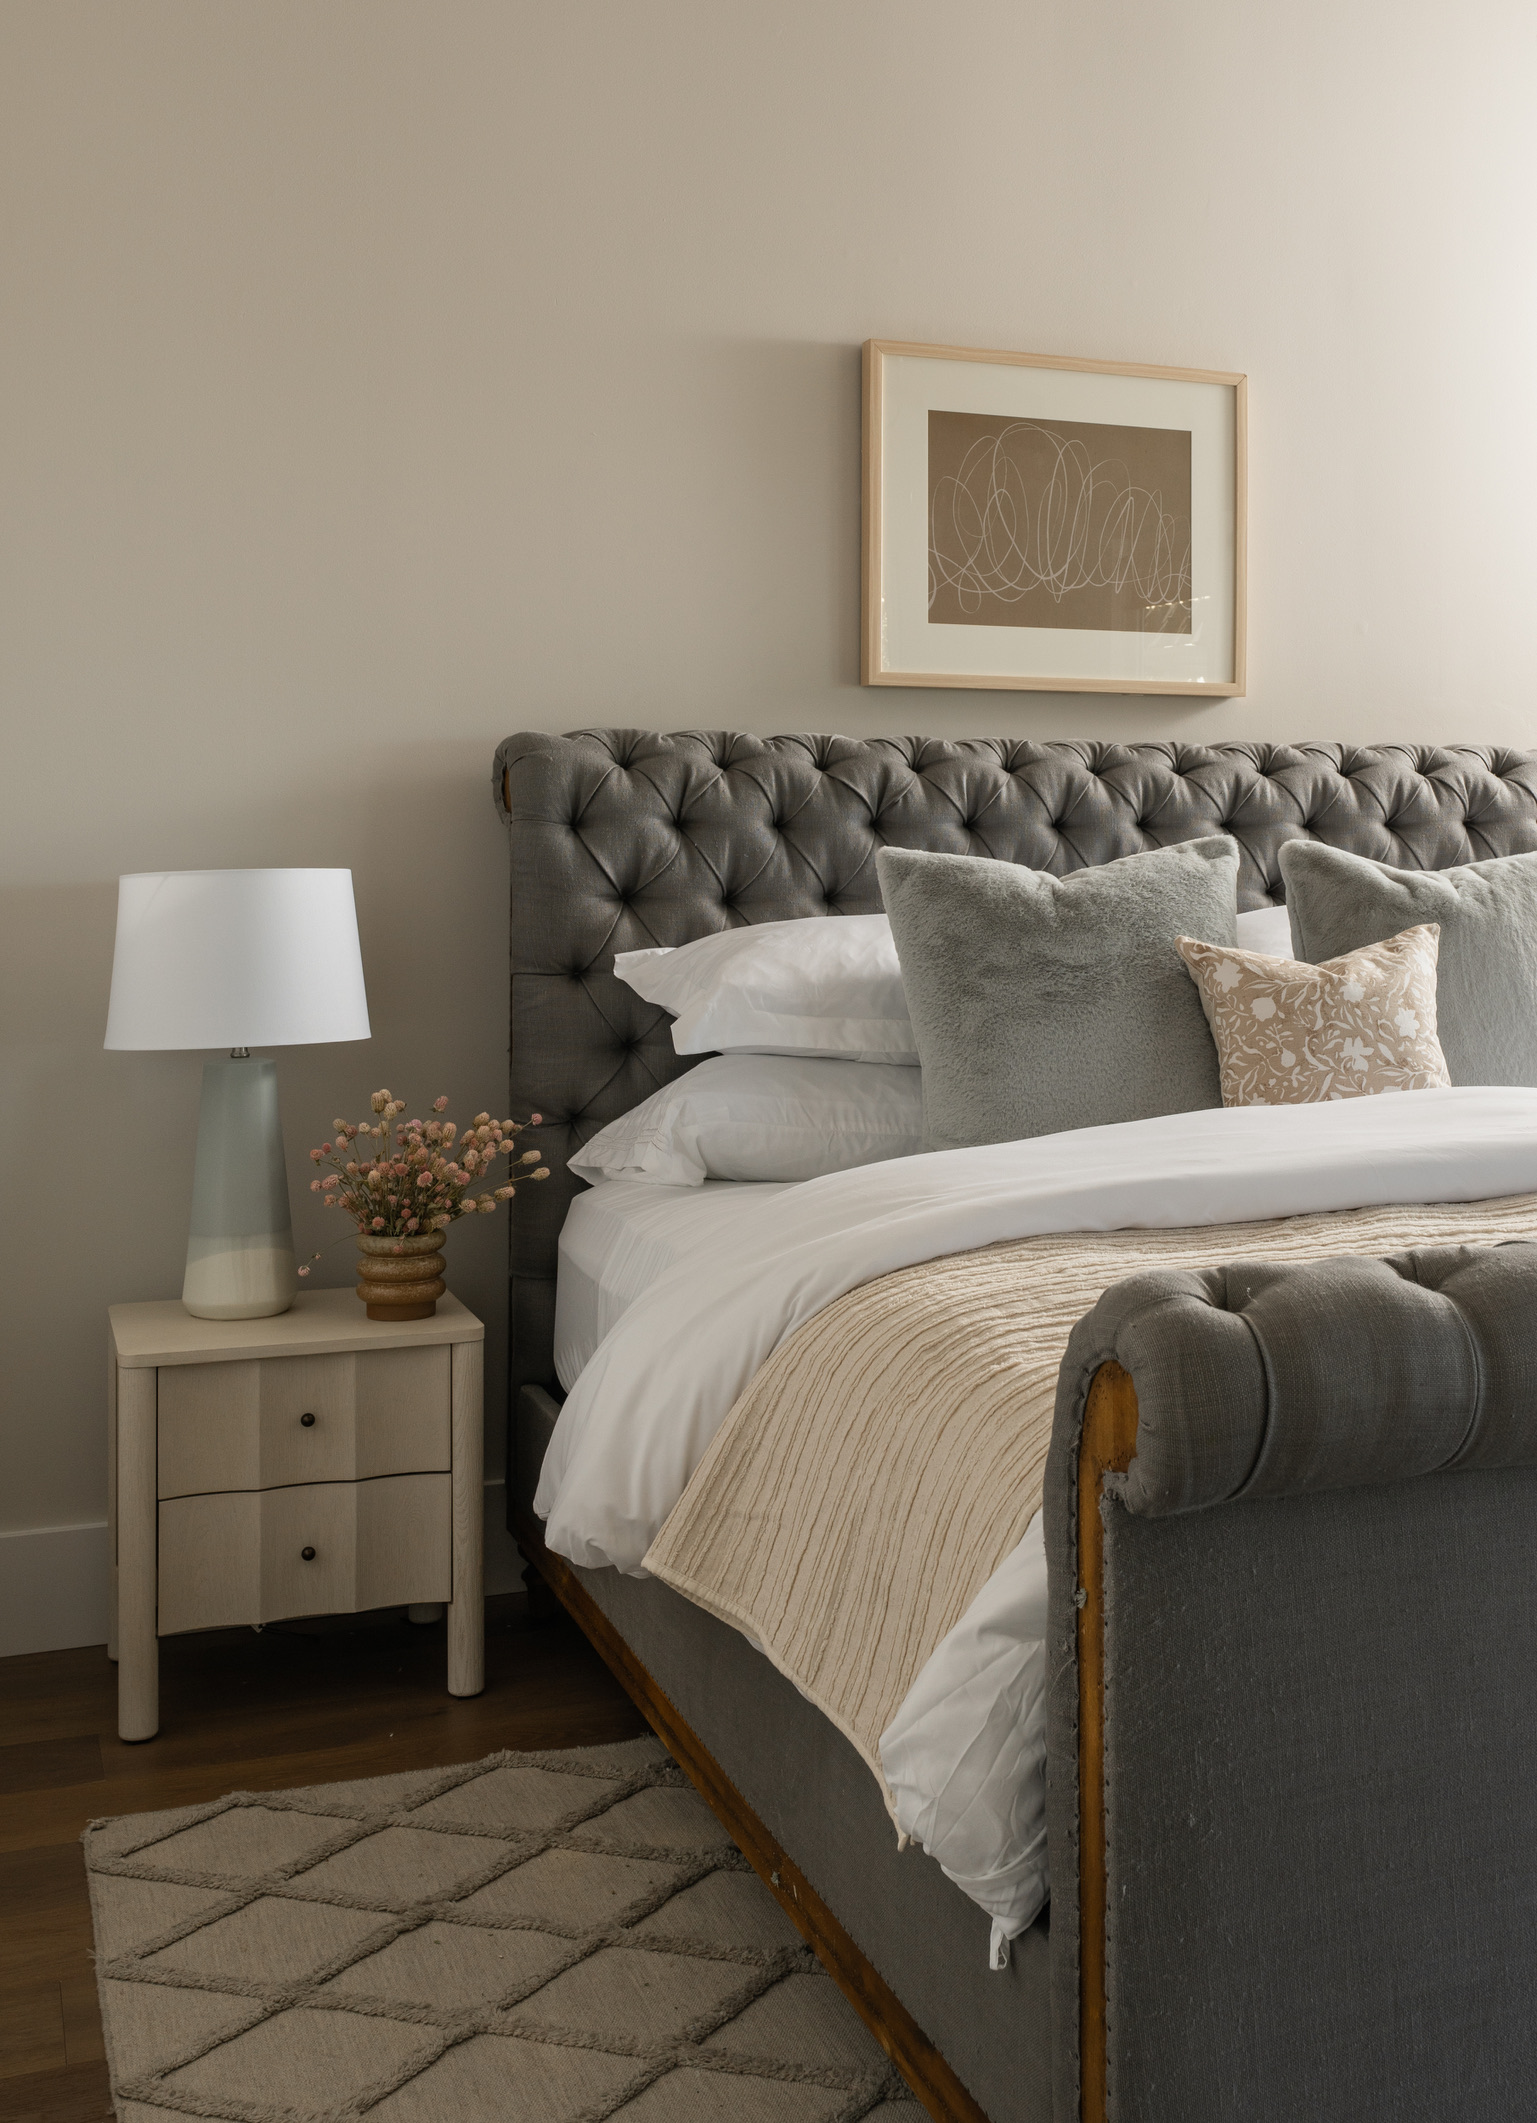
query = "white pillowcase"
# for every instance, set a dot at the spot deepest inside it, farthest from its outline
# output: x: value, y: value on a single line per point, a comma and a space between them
x: 1267, y: 929
x: 761, y: 1117
x: 827, y: 985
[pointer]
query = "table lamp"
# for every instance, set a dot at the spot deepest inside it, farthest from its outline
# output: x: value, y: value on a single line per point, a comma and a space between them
x: 237, y: 959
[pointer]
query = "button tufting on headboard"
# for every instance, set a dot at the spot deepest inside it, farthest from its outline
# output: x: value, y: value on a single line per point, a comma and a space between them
x: 622, y: 839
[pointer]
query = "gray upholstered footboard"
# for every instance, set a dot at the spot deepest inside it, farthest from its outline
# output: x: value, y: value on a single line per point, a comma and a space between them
x: 1320, y: 1709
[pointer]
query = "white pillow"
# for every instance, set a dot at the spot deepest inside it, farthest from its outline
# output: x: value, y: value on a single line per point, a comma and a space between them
x: 1267, y: 929
x: 828, y: 985
x: 761, y: 1116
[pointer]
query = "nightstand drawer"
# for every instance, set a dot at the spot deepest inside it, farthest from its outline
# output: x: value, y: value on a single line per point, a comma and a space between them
x: 228, y: 1559
x: 272, y: 1421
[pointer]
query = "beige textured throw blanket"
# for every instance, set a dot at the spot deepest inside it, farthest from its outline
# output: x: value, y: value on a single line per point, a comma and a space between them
x: 890, y: 1454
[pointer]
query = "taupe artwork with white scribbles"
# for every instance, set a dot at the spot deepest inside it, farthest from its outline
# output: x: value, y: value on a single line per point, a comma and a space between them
x: 1058, y: 523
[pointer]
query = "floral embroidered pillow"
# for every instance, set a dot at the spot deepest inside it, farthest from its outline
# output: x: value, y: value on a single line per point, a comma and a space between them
x: 1290, y: 1034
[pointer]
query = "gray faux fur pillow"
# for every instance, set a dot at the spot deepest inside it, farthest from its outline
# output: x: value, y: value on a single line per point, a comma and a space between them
x: 1486, y: 982
x: 1040, y: 1003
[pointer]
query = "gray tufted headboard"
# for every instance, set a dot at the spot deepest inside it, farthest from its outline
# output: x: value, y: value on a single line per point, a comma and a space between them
x: 624, y: 838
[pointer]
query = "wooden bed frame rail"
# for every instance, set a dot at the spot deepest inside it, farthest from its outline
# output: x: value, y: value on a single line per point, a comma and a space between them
x: 926, y: 2071
x: 1107, y: 1446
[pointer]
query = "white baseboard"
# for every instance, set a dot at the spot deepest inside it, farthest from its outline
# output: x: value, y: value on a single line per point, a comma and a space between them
x: 53, y: 1580
x: 53, y: 1588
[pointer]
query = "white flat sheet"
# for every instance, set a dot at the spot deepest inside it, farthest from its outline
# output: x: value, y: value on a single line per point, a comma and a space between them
x: 621, y: 1235
x: 965, y: 1755
x: 640, y: 1416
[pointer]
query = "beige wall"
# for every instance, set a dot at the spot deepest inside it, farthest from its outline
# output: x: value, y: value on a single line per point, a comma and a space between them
x: 379, y: 378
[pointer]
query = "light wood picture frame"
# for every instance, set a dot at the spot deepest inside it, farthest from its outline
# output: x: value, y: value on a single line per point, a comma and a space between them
x: 1046, y: 524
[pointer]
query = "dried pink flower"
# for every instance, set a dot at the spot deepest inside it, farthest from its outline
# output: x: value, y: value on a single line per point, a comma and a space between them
x: 408, y: 1182
x: 440, y: 1105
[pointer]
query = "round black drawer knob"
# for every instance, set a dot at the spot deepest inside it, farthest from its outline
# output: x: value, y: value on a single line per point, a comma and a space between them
x: 308, y: 1421
x: 308, y: 1554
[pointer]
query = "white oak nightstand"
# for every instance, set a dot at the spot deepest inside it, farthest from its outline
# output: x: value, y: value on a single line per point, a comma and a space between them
x: 316, y: 1463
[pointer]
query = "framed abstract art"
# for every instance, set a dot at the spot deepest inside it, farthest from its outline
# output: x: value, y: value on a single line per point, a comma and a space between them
x: 1053, y: 525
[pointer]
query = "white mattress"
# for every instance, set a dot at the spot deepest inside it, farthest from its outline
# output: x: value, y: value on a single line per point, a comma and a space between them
x: 620, y: 1236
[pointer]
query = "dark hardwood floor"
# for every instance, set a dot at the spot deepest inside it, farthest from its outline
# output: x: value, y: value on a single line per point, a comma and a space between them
x: 302, y: 1703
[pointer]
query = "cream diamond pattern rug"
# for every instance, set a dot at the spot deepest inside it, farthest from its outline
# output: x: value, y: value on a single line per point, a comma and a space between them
x: 553, y: 1937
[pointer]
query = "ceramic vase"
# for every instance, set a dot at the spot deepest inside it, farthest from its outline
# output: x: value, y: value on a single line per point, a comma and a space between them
x: 240, y: 1251
x: 401, y: 1278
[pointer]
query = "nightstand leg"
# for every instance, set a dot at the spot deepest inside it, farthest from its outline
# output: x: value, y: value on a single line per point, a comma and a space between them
x: 467, y: 1610
x: 138, y: 1648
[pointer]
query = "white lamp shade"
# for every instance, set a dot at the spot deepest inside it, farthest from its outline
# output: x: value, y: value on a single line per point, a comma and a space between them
x: 236, y: 958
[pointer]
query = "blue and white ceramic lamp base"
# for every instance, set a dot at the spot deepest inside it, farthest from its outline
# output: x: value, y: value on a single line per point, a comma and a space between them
x: 240, y: 1251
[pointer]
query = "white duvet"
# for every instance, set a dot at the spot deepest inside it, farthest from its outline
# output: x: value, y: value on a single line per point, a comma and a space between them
x: 964, y: 1755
